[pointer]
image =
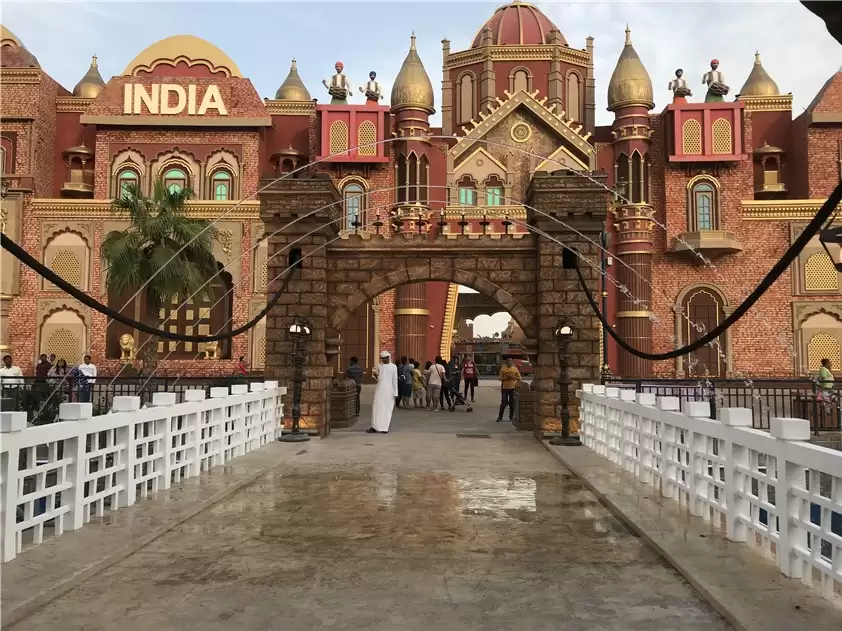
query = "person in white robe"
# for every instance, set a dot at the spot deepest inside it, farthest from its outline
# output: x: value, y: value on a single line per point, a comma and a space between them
x: 385, y: 394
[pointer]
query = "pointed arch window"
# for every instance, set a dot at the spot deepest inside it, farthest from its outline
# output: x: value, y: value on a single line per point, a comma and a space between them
x: 467, y: 191
x: 353, y: 196
x: 703, y: 310
x: 494, y: 191
x: 175, y: 180
x: 703, y: 206
x: 126, y: 178
x: 221, y: 183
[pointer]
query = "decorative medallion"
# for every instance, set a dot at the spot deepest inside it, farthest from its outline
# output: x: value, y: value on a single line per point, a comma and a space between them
x: 521, y: 132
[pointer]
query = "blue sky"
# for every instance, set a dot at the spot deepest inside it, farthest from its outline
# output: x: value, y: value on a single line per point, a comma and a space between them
x: 262, y: 37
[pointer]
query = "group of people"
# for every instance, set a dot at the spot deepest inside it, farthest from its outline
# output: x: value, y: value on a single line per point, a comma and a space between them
x: 406, y: 385
x: 77, y: 381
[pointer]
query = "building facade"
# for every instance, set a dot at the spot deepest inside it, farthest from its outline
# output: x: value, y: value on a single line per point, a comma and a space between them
x: 709, y: 193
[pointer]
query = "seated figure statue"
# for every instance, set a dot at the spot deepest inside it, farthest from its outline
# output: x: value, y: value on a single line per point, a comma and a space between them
x: 372, y: 89
x: 715, y: 81
x: 339, y: 87
x: 679, y: 87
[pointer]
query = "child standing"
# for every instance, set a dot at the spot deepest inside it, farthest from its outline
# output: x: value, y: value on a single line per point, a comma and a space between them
x: 419, y: 389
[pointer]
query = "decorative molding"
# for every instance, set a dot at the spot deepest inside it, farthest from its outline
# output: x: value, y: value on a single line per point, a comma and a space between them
x: 802, y: 310
x: 72, y: 104
x: 781, y: 210
x: 290, y: 108
x: 487, y: 212
x: 176, y: 121
x: 225, y: 238
x: 777, y: 103
x: 449, y: 320
x: 544, y: 52
x: 520, y: 132
x: 412, y: 312
x: 20, y: 75
x: 101, y: 208
x: 48, y: 306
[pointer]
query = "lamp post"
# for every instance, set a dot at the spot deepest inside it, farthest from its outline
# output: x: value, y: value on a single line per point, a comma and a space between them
x: 299, y: 333
x: 564, y: 335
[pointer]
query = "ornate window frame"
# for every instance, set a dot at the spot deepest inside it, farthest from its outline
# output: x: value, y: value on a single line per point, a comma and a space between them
x: 85, y: 264
x: 692, y: 208
x: 681, y: 322
x: 460, y: 115
x: 529, y: 79
x: 580, y: 101
x: 179, y: 160
x: 362, y: 194
x: 799, y: 271
x: 223, y: 160
x: 127, y: 159
x: 801, y: 313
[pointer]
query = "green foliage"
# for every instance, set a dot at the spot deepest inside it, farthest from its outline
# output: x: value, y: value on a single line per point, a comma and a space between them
x: 151, y: 249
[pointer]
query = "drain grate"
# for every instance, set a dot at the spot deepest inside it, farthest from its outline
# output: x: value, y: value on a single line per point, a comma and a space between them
x: 473, y: 435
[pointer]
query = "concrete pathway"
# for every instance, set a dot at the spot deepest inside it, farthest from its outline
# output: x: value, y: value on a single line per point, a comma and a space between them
x: 417, y: 530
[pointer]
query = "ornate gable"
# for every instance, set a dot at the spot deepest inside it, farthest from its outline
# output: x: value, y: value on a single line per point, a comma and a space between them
x: 574, y: 143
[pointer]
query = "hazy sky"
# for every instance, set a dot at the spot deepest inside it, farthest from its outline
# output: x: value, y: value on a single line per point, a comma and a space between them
x: 262, y: 37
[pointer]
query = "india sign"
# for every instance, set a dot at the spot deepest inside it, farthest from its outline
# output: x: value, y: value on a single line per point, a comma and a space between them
x: 171, y: 99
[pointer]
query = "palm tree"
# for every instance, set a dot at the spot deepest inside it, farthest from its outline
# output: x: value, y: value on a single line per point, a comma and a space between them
x: 162, y: 246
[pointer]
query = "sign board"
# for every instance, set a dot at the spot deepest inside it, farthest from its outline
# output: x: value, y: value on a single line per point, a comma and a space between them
x: 172, y: 99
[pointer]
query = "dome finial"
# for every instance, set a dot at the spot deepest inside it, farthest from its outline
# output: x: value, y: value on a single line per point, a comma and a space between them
x: 91, y: 84
x: 412, y: 41
x: 412, y: 87
x: 628, y: 34
x: 293, y: 88
x: 93, y: 61
x: 630, y: 83
x: 759, y: 83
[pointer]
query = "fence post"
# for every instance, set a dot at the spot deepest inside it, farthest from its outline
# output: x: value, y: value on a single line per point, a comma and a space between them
x: 160, y: 400
x: 11, y: 422
x: 126, y: 435
x: 75, y: 448
x: 194, y: 421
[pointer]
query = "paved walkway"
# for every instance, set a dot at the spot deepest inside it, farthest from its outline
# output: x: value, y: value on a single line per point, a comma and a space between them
x: 417, y: 530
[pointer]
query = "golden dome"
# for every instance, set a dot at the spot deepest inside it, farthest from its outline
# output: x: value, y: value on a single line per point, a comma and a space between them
x: 14, y: 54
x: 412, y: 87
x: 91, y: 84
x: 293, y: 88
x: 630, y: 83
x: 189, y: 49
x: 759, y: 83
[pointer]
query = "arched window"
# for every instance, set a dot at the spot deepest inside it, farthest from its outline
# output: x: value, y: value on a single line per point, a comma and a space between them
x: 467, y: 191
x: 367, y: 139
x: 703, y: 310
x: 822, y: 346
x: 175, y: 180
x: 338, y: 137
x: 703, y: 206
x: 721, y: 133
x: 2, y: 160
x: 520, y: 81
x: 221, y: 183
x: 423, y: 169
x: 6, y: 155
x: 820, y: 274
x: 466, y: 99
x: 637, y: 177
x: 403, y: 179
x: 126, y: 178
x: 354, y: 200
x: 573, y: 97
x: 494, y: 191
x: 818, y: 337
x: 67, y: 255
x: 691, y: 142
x: 412, y: 174
x: 622, y: 176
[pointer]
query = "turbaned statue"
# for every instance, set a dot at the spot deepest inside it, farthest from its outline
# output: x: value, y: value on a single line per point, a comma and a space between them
x: 679, y: 87
x: 715, y: 81
x: 338, y: 86
x: 372, y: 89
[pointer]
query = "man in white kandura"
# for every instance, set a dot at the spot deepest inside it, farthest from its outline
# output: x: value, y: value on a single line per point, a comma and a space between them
x: 385, y: 394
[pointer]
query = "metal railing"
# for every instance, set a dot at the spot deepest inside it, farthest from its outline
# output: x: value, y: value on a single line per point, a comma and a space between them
x: 767, y: 398
x: 40, y: 399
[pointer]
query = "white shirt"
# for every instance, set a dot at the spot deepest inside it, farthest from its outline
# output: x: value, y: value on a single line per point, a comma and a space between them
x: 7, y: 376
x: 436, y: 375
x: 89, y: 370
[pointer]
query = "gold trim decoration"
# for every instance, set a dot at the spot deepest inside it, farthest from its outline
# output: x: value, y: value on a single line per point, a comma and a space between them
x: 488, y: 212
x: 634, y: 314
x: 543, y: 52
x: 101, y: 208
x: 192, y: 50
x: 72, y: 104
x: 777, y: 103
x: 176, y: 121
x: 449, y: 320
x: 520, y: 132
x: 20, y: 75
x: 276, y: 107
x: 781, y: 210
x: 410, y: 312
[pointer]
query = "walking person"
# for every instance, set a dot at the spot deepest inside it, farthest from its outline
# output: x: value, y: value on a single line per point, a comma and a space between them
x: 435, y: 377
x: 470, y: 376
x: 444, y: 393
x: 385, y: 394
x: 455, y: 369
x: 825, y: 379
x: 509, y: 379
x: 401, y: 381
x: 419, y: 389
x: 405, y: 386
x: 355, y: 372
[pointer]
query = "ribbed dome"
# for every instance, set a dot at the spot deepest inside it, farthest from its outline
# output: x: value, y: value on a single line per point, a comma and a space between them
x: 13, y: 54
x: 517, y: 24
x: 91, y: 84
x: 293, y: 88
x: 412, y: 87
x: 759, y: 83
x: 630, y: 83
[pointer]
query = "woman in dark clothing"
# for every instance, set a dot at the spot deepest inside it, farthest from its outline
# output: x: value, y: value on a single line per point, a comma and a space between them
x: 445, y: 386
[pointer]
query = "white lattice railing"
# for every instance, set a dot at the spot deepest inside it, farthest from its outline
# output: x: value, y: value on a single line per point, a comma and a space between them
x: 771, y: 490
x: 58, y: 477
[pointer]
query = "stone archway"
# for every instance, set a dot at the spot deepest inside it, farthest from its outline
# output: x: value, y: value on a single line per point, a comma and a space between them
x: 525, y: 275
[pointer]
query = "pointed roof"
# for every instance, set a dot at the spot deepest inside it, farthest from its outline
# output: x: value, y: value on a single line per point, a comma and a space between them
x: 630, y: 83
x: 293, y: 88
x: 412, y: 87
x: 829, y: 98
x: 91, y: 84
x: 759, y: 83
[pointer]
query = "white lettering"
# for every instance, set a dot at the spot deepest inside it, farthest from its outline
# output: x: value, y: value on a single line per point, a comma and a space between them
x: 212, y: 100
x: 137, y: 99
x: 181, y: 97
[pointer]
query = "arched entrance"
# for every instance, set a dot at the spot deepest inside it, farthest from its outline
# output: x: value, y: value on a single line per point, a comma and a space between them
x: 524, y: 275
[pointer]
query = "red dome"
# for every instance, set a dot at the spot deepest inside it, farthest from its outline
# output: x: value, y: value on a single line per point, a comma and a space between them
x: 517, y: 24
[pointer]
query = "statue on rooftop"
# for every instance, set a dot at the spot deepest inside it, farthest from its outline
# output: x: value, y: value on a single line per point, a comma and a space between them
x: 715, y: 81
x: 679, y: 87
x: 372, y: 89
x: 339, y: 87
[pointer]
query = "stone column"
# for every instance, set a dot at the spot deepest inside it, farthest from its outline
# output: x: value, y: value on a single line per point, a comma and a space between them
x: 555, y: 79
x: 411, y: 320
x: 488, y: 78
x: 446, y: 91
x: 590, y: 90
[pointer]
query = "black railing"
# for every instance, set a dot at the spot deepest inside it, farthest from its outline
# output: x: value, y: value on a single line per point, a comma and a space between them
x: 767, y: 398
x: 40, y: 398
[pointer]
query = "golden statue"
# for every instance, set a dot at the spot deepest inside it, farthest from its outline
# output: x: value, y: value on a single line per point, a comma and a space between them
x: 211, y: 350
x: 126, y: 347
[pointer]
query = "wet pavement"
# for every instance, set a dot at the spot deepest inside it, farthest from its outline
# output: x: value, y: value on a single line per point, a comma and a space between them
x: 415, y: 530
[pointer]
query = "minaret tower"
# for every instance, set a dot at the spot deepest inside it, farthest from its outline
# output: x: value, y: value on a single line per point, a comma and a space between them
x: 630, y: 98
x: 412, y: 105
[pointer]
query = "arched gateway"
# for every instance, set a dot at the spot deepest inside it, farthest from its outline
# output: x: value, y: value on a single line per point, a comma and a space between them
x: 524, y: 275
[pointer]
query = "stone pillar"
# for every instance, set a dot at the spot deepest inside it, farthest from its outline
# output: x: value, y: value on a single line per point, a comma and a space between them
x: 446, y: 91
x: 590, y: 90
x: 555, y: 80
x: 582, y: 205
x: 281, y: 202
x: 411, y: 321
x: 488, y: 78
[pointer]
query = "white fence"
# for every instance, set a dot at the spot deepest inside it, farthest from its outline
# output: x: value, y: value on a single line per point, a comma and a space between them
x: 771, y: 490
x: 58, y: 477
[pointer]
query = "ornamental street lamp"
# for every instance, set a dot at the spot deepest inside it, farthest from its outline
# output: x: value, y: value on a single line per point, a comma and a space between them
x: 299, y: 333
x: 564, y: 335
